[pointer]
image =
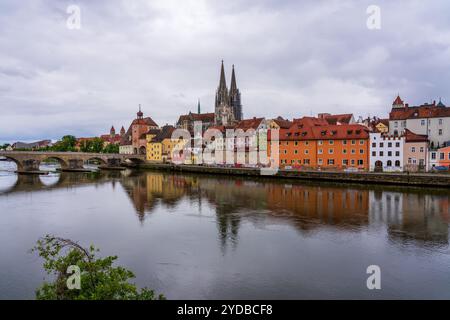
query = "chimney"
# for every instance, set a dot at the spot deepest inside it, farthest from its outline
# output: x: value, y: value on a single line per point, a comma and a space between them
x: 406, y: 105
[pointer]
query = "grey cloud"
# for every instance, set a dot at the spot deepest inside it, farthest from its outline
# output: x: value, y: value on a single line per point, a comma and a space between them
x: 292, y: 58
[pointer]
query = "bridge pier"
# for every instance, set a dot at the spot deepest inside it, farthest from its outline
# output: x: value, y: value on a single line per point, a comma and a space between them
x: 29, y: 166
x: 74, y: 165
x: 113, y: 164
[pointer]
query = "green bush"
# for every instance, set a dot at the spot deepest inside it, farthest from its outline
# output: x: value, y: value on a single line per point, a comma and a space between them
x: 99, y: 280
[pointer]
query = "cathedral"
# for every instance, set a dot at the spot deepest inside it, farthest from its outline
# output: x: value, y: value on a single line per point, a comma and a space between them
x: 228, y: 107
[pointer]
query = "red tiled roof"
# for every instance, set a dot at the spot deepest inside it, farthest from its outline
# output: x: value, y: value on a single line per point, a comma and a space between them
x: 397, y: 100
x: 324, y: 132
x: 204, y: 117
x: 425, y: 111
x: 412, y: 137
x: 246, y: 124
x: 338, y: 118
x: 145, y: 121
x: 165, y: 133
x: 282, y: 123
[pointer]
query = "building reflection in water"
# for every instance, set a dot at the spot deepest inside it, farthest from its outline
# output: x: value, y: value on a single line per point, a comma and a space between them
x: 405, y: 214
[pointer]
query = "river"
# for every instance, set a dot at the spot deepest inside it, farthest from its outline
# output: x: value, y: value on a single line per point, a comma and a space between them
x: 206, y: 237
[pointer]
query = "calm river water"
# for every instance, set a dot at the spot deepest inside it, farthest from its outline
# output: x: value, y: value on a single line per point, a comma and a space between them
x: 206, y: 237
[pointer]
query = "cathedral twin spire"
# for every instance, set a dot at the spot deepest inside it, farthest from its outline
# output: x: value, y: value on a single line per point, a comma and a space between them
x: 228, y: 103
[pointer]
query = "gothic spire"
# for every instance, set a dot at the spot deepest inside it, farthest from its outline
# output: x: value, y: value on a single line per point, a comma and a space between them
x: 233, y: 86
x: 198, y: 107
x: 223, y: 83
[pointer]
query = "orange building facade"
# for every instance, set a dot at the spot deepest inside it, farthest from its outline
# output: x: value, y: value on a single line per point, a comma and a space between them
x: 312, y: 143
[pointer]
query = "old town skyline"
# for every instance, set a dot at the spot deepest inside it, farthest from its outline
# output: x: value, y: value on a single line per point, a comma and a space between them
x: 288, y: 55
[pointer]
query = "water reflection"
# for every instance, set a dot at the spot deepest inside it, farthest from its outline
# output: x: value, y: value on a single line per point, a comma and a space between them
x: 204, y: 236
x: 407, y: 216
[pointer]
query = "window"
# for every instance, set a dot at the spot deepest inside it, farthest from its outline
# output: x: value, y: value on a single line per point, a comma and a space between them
x: 305, y: 161
x: 285, y: 151
x: 306, y: 151
x: 397, y: 163
x: 381, y: 144
x: 389, y: 144
x: 320, y: 142
x: 319, y: 161
x: 353, y: 151
x: 413, y: 149
x: 440, y: 121
x: 389, y: 153
x: 374, y: 153
x: 409, y: 160
x: 395, y: 124
x: 441, y: 156
x: 344, y: 142
x: 292, y: 161
x: 389, y: 163
x: 345, y: 162
x: 295, y: 151
x: 331, y: 142
x: 361, y: 151
x: 352, y: 161
x: 330, y: 161
x: 440, y: 132
x: 397, y: 144
x: 353, y: 141
x: 433, y: 155
x: 295, y: 143
x: 449, y: 156
x: 287, y: 143
x: 361, y: 142
x: 397, y: 153
x: 330, y: 151
x: 381, y: 153
x: 374, y: 144
x: 299, y: 161
x: 360, y: 162
x: 422, y: 122
x: 344, y: 151
x: 320, y: 151
x: 306, y: 143
x: 421, y: 149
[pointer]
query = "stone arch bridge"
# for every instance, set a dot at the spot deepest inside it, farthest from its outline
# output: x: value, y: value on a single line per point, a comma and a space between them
x: 30, y: 160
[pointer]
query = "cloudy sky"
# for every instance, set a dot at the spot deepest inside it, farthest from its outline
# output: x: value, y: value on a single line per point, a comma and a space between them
x: 292, y: 58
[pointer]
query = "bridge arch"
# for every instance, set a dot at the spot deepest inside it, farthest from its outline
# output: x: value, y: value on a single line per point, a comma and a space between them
x: 99, y: 159
x: 17, y: 162
x: 61, y: 161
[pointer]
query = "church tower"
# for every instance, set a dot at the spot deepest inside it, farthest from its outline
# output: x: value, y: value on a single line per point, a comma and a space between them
x: 235, y: 98
x: 223, y: 112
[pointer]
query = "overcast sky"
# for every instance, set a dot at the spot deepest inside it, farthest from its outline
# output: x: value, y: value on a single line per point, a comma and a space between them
x: 292, y: 58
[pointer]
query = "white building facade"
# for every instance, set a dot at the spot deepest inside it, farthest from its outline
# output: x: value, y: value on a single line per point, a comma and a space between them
x: 430, y: 119
x: 386, y: 152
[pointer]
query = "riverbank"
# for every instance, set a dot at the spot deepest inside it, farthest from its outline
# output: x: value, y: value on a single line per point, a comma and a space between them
x: 405, y: 179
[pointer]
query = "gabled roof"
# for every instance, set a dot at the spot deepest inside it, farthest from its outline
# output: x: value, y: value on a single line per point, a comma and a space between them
x: 302, y: 131
x: 424, y: 111
x: 412, y: 137
x: 282, y: 123
x: 246, y: 124
x: 165, y: 133
x: 339, y: 118
x: 204, y: 117
x: 397, y: 101
x: 145, y: 121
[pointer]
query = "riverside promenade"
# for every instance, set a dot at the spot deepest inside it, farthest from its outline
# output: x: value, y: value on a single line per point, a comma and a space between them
x: 405, y: 179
